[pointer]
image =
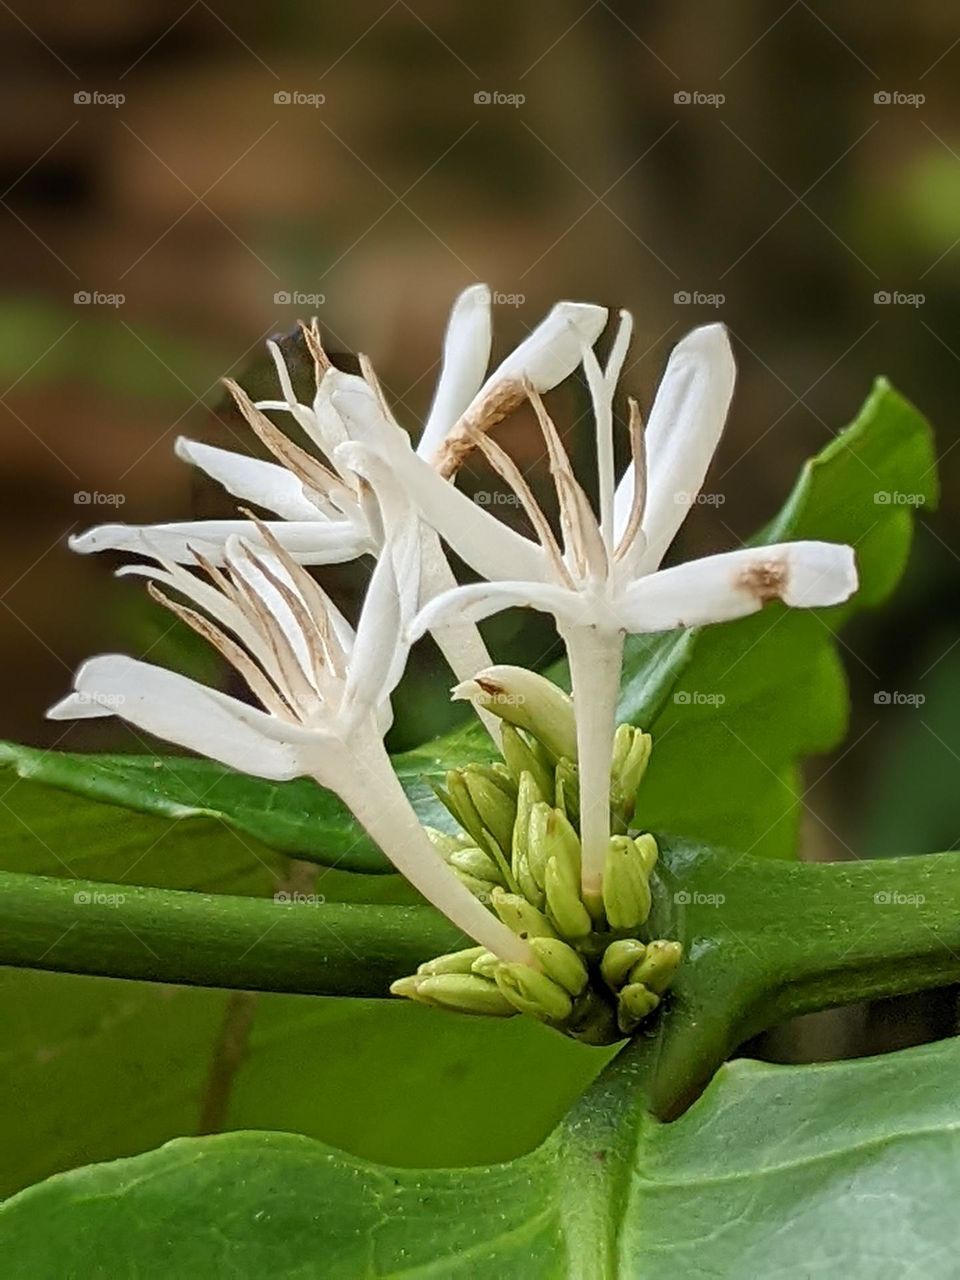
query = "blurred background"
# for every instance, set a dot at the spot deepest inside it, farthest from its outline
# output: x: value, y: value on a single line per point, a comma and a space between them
x: 180, y: 181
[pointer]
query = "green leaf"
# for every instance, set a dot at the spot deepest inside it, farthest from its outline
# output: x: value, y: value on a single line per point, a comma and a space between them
x: 775, y: 1170
x: 195, y: 797
x: 752, y: 698
x: 97, y: 1069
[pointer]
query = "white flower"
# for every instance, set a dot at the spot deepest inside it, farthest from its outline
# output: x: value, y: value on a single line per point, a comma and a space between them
x: 604, y: 581
x: 324, y: 516
x: 324, y: 691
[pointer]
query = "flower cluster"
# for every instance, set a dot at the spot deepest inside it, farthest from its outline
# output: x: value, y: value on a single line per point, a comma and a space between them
x: 547, y: 874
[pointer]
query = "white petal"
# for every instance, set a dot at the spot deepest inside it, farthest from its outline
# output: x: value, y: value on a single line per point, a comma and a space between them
x: 682, y: 434
x: 553, y: 350
x: 493, y: 549
x: 381, y: 647
x: 264, y: 483
x: 466, y: 353
x: 482, y: 600
x: 179, y: 710
x: 732, y: 585
x: 311, y: 542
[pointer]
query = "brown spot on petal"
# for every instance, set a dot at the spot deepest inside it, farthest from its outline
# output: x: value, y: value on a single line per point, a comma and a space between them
x: 767, y: 580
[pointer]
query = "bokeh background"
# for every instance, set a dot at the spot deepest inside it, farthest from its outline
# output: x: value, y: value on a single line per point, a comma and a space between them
x: 180, y: 181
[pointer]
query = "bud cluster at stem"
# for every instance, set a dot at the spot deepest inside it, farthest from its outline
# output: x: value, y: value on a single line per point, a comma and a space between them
x: 598, y: 975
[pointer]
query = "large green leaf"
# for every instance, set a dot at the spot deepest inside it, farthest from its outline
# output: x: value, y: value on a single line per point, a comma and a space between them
x: 195, y: 797
x: 843, y: 1169
x: 93, y: 1069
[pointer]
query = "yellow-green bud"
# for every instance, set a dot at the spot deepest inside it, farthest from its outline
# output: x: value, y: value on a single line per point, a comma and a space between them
x: 479, y: 888
x: 534, y: 993
x: 537, y: 841
x: 444, y: 843
x: 618, y: 959
x: 561, y: 963
x: 408, y: 987
x: 626, y: 890
x: 486, y: 964
x: 476, y: 863
x: 521, y: 759
x: 564, y: 904
x: 453, y: 962
x: 648, y: 851
x: 465, y: 992
x: 567, y: 789
x: 457, y: 799
x: 658, y: 966
x: 634, y: 1003
x: 526, y: 883
x: 494, y: 807
x: 527, y: 700
x: 631, y: 754
x: 521, y: 916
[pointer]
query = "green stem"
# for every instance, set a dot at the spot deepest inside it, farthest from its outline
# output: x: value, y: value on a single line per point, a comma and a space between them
x: 254, y: 944
x: 790, y: 938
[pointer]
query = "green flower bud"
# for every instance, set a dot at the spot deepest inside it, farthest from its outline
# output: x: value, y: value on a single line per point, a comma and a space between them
x: 634, y: 1003
x: 521, y: 758
x: 648, y: 851
x: 526, y: 883
x: 537, y: 841
x: 457, y: 799
x: 618, y: 959
x: 561, y: 963
x: 407, y: 987
x: 521, y: 916
x: 476, y: 863
x: 465, y: 992
x: 453, y: 962
x: 528, y: 795
x: 486, y: 964
x: 534, y: 993
x: 528, y: 701
x: 479, y: 888
x: 626, y: 890
x: 658, y: 966
x: 564, y: 904
x: 567, y: 789
x: 631, y: 754
x: 495, y: 808
x: 444, y: 843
